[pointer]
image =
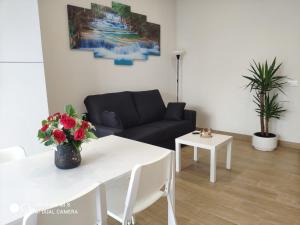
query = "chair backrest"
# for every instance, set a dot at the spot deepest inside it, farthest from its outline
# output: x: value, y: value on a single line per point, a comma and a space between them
x: 12, y: 153
x: 148, y: 183
x: 83, y: 209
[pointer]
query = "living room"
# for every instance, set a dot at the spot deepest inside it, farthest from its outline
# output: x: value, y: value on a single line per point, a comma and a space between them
x: 205, y: 53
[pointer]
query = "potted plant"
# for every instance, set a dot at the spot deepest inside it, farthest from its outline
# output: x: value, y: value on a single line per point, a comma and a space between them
x: 67, y: 132
x: 265, y: 81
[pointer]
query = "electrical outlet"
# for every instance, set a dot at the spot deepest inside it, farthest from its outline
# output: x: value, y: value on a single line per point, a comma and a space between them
x: 292, y: 83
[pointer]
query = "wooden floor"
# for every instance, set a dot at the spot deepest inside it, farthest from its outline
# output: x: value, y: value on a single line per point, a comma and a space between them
x: 263, y: 188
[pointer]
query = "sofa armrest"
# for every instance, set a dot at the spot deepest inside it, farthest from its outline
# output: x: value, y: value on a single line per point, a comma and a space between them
x: 102, y: 131
x: 191, y: 116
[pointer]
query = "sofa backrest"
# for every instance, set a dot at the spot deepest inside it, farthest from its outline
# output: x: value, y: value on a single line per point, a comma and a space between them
x: 121, y: 103
x: 149, y: 105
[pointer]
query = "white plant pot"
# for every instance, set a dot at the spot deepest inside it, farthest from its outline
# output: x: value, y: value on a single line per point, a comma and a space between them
x: 264, y: 143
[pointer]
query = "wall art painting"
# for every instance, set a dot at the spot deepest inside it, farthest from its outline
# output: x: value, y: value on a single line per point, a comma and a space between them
x: 113, y: 33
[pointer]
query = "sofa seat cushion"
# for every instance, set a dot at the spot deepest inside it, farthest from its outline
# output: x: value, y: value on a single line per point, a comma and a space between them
x: 120, y: 103
x: 143, y: 133
x: 173, y: 129
x: 157, y: 132
x: 149, y: 105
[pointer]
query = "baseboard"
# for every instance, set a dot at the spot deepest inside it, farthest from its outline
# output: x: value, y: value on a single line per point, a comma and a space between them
x: 247, y: 138
x: 288, y: 144
x: 241, y: 137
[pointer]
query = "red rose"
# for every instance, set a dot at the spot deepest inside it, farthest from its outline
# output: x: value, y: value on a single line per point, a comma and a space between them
x: 57, y: 115
x: 50, y: 118
x: 79, y: 134
x: 67, y: 121
x: 44, y: 128
x: 85, y: 124
x: 59, y: 136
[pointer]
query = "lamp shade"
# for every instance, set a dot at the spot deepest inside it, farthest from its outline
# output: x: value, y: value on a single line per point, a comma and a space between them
x: 179, y: 52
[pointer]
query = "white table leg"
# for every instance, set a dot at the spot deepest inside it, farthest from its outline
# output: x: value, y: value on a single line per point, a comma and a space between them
x: 171, y: 197
x: 213, y: 165
x: 196, y: 154
x: 178, y: 157
x: 101, y: 205
x: 228, y: 159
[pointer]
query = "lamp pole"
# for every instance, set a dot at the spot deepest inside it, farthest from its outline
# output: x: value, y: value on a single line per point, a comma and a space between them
x: 178, y: 54
x: 178, y: 59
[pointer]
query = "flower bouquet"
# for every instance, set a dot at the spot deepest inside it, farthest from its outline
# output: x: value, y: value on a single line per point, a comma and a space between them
x: 67, y: 132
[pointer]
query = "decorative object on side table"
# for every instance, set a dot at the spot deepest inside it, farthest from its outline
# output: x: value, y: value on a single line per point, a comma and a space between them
x: 205, y: 132
x: 265, y: 82
x: 67, y: 132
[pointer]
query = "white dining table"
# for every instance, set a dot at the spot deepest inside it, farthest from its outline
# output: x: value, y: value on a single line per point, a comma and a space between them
x: 34, y: 183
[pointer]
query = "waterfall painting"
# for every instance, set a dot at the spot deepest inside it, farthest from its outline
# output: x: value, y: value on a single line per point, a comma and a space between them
x: 113, y: 33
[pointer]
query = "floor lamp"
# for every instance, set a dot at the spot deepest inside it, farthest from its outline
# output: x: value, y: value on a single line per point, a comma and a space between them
x: 178, y: 54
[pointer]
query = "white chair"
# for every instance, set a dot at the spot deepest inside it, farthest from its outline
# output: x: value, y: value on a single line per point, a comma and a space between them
x: 132, y: 194
x: 84, y: 209
x: 12, y: 153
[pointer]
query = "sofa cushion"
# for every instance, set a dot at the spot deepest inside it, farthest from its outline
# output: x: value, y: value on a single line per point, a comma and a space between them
x: 157, y: 132
x: 143, y: 133
x: 173, y: 129
x: 111, y: 119
x: 175, y: 111
x: 102, y: 131
x: 149, y: 105
x: 121, y: 103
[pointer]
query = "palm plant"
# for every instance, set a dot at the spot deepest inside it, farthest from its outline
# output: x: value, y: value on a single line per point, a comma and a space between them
x: 263, y: 80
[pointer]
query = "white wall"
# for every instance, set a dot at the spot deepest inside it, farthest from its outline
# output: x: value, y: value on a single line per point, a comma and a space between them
x: 23, y: 98
x: 23, y: 105
x: 20, y: 36
x: 71, y: 75
x: 221, y: 38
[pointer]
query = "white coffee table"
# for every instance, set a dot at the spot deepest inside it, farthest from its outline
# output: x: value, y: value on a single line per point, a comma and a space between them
x: 212, y: 144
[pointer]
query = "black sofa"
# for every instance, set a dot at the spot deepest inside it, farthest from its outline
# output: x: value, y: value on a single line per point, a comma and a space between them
x: 142, y: 116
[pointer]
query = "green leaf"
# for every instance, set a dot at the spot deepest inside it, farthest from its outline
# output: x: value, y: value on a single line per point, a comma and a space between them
x: 41, y: 135
x: 263, y: 77
x: 48, y: 132
x: 44, y: 122
x: 76, y: 144
x: 91, y: 135
x: 49, y: 142
x: 276, y: 69
x: 272, y: 107
x: 69, y: 109
x: 55, y: 124
x: 83, y: 116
